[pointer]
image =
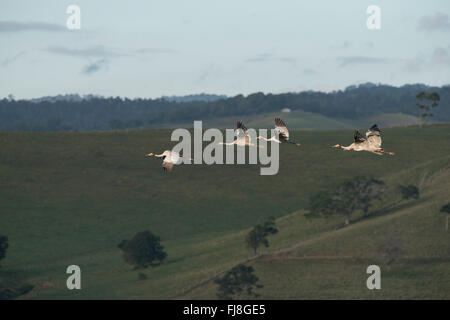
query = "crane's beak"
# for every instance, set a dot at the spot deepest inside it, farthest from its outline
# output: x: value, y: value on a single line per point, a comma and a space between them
x: 150, y: 154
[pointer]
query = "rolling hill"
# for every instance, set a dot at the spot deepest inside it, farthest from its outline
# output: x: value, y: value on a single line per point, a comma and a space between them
x: 70, y: 198
x: 302, y: 120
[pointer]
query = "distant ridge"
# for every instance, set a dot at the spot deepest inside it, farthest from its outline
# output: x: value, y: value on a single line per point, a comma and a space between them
x: 201, y: 97
x: 194, y: 97
x: 65, y: 97
x: 74, y: 112
x: 206, y: 97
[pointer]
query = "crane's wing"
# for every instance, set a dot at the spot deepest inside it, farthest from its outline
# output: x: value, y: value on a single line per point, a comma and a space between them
x: 175, y: 157
x: 167, y: 166
x: 375, y: 128
x: 374, y: 141
x: 373, y: 131
x: 241, y: 131
x: 281, y: 130
x: 240, y: 125
x: 358, y: 137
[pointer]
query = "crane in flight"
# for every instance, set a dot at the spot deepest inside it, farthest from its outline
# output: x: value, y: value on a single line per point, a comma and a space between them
x: 281, y: 134
x: 371, y: 143
x: 242, y: 137
x: 170, y: 158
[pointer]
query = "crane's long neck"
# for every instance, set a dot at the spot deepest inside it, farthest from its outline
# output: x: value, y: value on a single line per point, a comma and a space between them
x: 342, y: 147
x: 273, y: 139
x: 156, y: 155
x: 228, y: 143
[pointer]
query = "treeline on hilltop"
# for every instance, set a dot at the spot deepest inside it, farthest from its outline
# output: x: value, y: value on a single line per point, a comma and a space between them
x: 99, y: 113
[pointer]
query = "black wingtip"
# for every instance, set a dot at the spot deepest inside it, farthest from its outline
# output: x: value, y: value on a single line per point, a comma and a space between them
x: 357, y: 136
x: 240, y: 125
x: 279, y: 122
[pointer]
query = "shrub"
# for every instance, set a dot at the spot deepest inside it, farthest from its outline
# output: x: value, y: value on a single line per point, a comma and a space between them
x: 237, y: 283
x: 143, y: 250
x: 259, y: 234
x: 410, y: 191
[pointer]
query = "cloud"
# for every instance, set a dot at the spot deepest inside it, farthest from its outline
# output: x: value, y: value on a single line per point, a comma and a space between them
x: 369, y: 44
x: 12, y: 59
x: 102, y: 51
x: 354, y: 60
x: 94, y: 67
x: 441, y: 56
x: 208, y: 72
x: 95, y: 51
x: 346, y: 45
x: 267, y: 57
x: 309, y: 72
x: 437, y: 22
x: 155, y: 51
x: 14, y: 26
x: 260, y: 58
x: 413, y: 65
x: 99, y: 52
x: 438, y: 59
x: 340, y: 45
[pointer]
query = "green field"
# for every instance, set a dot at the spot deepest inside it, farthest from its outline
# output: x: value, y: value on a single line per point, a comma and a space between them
x: 70, y: 198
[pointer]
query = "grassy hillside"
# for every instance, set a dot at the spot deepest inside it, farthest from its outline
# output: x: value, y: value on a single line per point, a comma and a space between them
x: 330, y: 262
x: 298, y: 120
x: 70, y: 198
x: 302, y: 120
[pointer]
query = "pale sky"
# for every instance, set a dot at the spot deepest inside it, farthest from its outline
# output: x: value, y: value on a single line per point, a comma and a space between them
x: 152, y: 48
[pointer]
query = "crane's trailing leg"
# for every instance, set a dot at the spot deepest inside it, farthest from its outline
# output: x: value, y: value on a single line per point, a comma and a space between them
x: 297, y: 144
x: 382, y: 151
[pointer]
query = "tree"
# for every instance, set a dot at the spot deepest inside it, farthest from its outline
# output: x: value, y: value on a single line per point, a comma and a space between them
x: 369, y: 190
x: 3, y: 246
x: 320, y: 204
x: 143, y: 250
x: 116, y: 124
x: 426, y: 102
x: 237, y: 283
x: 446, y: 209
x: 390, y: 250
x: 351, y: 195
x: 410, y: 191
x: 259, y: 234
